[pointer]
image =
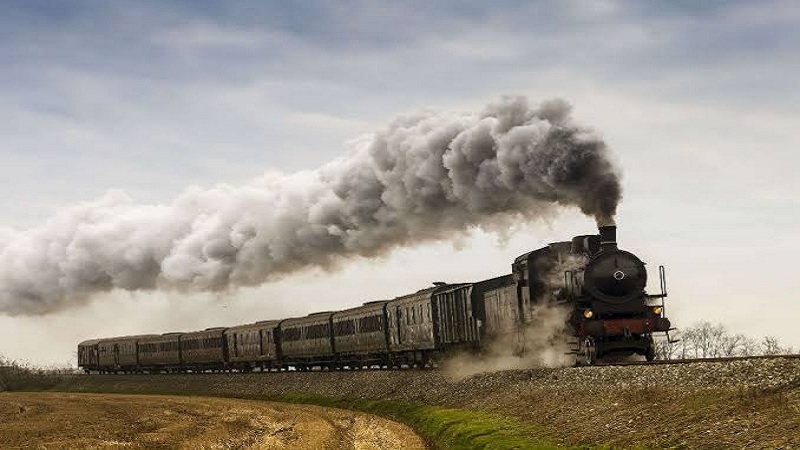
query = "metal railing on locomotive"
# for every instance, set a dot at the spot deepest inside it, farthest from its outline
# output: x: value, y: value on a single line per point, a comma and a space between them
x: 573, y: 282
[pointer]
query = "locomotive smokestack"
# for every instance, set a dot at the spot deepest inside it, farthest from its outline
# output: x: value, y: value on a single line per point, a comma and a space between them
x: 608, y: 237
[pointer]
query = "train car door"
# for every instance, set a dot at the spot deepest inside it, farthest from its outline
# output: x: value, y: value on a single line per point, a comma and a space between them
x: 116, y: 355
x: 401, y: 328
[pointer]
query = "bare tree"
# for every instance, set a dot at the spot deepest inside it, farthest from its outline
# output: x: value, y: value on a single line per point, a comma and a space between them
x: 707, y: 340
x: 686, y: 344
x: 771, y: 346
x: 730, y: 344
x: 666, y: 349
x: 704, y: 339
x: 749, y: 347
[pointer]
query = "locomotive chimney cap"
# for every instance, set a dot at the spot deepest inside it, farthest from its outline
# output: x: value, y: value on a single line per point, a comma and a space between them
x: 608, y: 236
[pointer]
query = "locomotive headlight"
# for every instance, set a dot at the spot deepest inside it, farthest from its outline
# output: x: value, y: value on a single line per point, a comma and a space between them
x: 588, y: 314
x: 658, y: 310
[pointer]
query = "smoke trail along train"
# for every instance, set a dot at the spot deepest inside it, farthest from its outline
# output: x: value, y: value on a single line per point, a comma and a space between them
x: 426, y: 176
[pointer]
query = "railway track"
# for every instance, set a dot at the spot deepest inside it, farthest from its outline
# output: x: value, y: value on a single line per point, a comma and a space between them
x: 693, y: 360
x: 437, y: 367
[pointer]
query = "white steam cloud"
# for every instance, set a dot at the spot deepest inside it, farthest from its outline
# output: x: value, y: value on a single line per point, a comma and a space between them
x: 425, y: 177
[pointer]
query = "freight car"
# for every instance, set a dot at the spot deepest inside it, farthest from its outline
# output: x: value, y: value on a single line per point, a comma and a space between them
x: 602, y: 287
x: 253, y: 345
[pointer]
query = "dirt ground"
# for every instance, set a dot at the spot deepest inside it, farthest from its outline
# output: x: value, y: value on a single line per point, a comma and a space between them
x: 61, y: 420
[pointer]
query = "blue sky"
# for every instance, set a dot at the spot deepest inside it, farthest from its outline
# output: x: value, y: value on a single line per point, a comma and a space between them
x: 699, y: 103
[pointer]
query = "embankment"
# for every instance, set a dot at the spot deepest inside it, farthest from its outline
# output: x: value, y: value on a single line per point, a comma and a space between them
x: 748, y: 403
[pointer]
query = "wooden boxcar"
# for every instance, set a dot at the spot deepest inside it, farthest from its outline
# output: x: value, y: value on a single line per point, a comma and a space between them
x: 120, y: 353
x: 88, y: 355
x: 361, y: 335
x: 204, y: 349
x: 160, y: 351
x: 106, y: 359
x: 455, y: 322
x: 306, y: 341
x: 411, y: 334
x: 498, y: 306
x: 253, y: 345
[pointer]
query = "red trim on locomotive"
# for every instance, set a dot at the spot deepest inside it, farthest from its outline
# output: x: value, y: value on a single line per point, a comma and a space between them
x: 623, y: 327
x: 616, y: 327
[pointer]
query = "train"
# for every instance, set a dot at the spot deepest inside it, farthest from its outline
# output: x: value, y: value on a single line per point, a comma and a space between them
x: 602, y: 287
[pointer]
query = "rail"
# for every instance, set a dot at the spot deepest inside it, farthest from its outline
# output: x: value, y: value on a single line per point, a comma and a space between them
x: 694, y: 360
x: 438, y: 367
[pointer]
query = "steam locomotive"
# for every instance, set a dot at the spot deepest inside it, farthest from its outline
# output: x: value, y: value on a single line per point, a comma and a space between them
x: 612, y: 314
x: 602, y: 288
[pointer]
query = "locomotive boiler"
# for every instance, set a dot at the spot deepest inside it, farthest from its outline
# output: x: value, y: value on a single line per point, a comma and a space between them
x: 602, y: 287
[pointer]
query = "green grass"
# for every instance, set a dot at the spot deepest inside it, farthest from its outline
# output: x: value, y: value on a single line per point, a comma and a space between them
x: 446, y: 428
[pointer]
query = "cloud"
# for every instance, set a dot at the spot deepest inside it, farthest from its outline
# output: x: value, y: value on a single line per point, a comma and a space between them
x: 205, y: 35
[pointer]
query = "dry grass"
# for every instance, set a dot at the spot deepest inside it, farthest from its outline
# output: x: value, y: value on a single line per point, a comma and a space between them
x: 60, y: 420
x: 16, y: 376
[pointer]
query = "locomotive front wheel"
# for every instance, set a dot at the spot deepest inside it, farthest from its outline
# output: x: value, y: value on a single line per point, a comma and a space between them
x: 650, y: 354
